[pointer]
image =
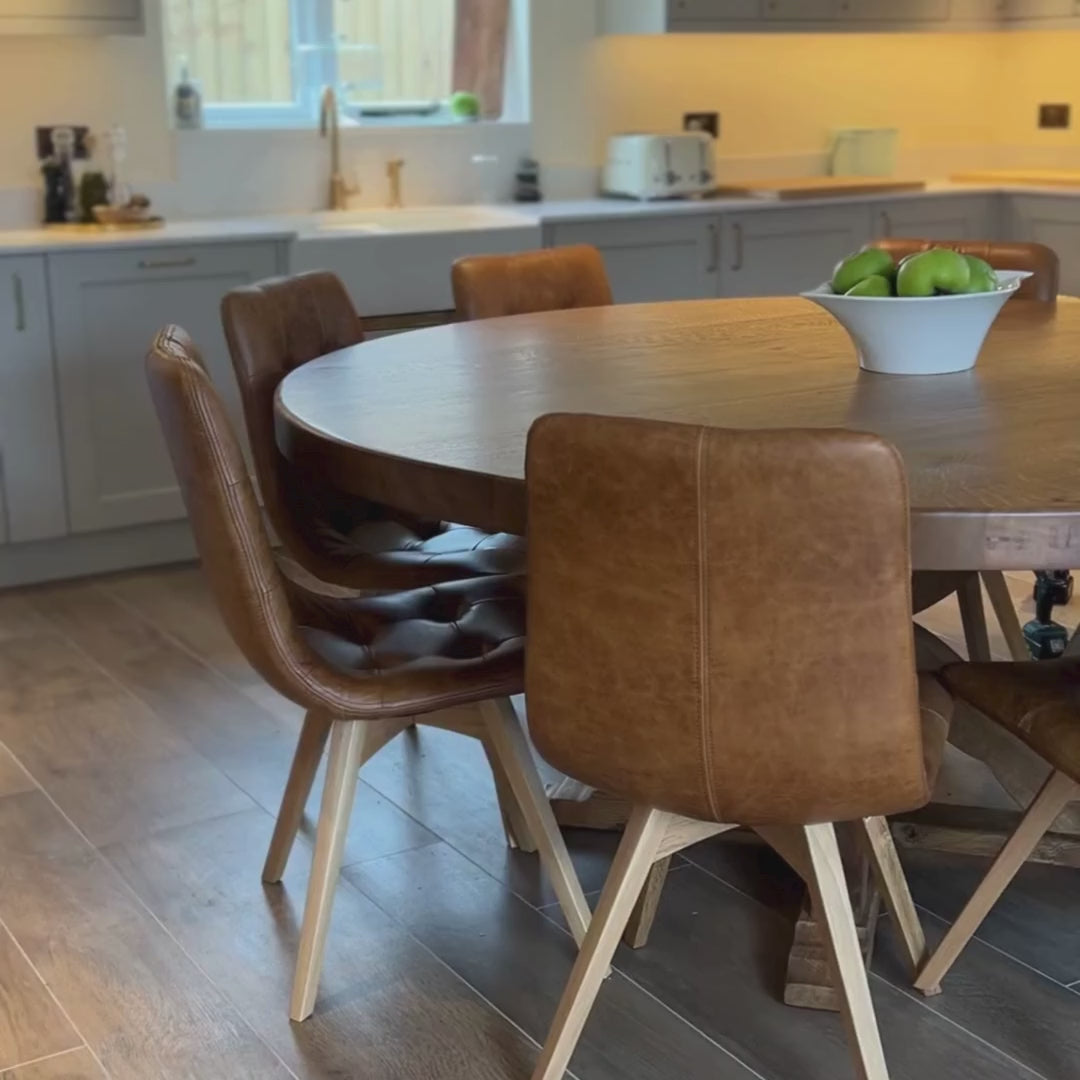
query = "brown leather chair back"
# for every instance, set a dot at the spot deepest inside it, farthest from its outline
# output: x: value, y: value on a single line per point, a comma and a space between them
x: 224, y: 513
x: 555, y: 279
x: 1038, y: 258
x: 271, y: 328
x: 719, y: 622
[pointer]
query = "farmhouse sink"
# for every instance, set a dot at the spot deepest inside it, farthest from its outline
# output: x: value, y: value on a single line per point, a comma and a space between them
x: 398, y: 261
x: 420, y: 219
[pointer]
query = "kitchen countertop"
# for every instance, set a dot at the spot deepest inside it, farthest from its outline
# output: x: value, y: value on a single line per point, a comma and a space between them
x: 287, y: 227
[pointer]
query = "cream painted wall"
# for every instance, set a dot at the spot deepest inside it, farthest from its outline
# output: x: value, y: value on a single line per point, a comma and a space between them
x: 784, y: 94
x: 1038, y: 66
x: 85, y: 80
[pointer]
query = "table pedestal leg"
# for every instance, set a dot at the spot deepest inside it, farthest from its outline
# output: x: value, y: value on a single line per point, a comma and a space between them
x: 809, y: 983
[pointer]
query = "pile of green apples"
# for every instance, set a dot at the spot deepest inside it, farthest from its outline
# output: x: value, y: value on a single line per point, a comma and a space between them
x: 937, y: 272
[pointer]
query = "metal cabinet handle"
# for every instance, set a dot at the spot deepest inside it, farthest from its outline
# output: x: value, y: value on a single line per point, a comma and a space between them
x: 738, y: 263
x: 20, y: 303
x: 886, y: 223
x: 714, y: 249
x: 166, y: 264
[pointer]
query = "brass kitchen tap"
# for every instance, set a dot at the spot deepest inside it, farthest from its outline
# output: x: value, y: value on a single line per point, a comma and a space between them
x: 328, y: 126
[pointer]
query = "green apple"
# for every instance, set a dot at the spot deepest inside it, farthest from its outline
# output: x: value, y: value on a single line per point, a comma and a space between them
x: 464, y: 105
x: 874, y: 285
x: 933, y: 271
x: 862, y: 264
x: 983, y: 278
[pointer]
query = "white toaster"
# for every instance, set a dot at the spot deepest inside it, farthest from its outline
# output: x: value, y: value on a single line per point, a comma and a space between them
x: 660, y: 166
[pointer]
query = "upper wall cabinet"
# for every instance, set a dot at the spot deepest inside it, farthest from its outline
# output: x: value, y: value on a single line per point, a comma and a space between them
x: 662, y: 16
x: 71, y: 17
x: 678, y: 16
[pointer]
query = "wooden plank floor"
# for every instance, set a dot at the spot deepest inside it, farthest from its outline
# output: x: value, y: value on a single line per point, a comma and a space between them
x: 141, y: 761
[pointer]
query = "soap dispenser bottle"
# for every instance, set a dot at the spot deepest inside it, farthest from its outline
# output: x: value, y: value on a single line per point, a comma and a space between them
x: 187, y: 100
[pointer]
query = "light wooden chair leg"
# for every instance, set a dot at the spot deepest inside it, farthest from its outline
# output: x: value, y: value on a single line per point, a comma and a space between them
x: 973, y: 619
x: 508, y: 743
x: 1005, y: 611
x: 305, y: 765
x: 346, y: 750
x: 517, y: 831
x: 832, y: 903
x: 644, y: 914
x: 636, y: 855
x: 1051, y: 800
x: 891, y: 882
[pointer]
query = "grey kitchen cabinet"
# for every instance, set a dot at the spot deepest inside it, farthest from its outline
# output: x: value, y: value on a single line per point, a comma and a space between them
x: 885, y: 12
x: 71, y: 17
x: 679, y: 16
x: 31, y: 474
x: 676, y: 16
x: 107, y: 306
x: 1054, y: 221
x: 778, y: 252
x: 675, y: 257
x: 946, y: 217
x: 800, y: 10
x: 1024, y: 10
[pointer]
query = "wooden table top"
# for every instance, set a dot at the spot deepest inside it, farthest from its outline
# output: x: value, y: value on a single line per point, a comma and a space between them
x: 435, y: 421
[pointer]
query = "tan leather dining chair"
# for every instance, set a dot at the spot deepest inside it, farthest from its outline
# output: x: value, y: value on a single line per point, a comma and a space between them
x: 273, y: 327
x: 363, y: 668
x: 650, y: 545
x: 554, y: 279
x: 1039, y: 703
x: 1041, y: 287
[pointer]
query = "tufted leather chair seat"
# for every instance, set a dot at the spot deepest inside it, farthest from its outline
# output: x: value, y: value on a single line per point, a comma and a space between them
x: 273, y: 327
x: 1038, y: 702
x: 1001, y: 255
x: 409, y: 550
x: 424, y: 642
x: 555, y: 279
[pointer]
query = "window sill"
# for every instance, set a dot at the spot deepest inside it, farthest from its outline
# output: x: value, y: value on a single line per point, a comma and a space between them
x: 349, y: 126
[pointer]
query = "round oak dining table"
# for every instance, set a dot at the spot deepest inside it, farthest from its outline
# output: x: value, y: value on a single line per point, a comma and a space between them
x: 435, y: 421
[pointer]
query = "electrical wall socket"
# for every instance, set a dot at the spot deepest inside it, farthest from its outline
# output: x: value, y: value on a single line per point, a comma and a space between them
x: 702, y: 121
x: 1054, y: 116
x: 43, y: 140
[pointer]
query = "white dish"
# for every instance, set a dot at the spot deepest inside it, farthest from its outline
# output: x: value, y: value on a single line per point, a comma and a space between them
x: 919, y: 335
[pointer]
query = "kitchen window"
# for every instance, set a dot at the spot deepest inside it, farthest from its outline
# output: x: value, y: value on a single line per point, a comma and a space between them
x: 264, y: 63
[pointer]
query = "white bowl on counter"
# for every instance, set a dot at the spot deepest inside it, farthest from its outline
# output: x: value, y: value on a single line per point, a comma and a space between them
x: 919, y: 335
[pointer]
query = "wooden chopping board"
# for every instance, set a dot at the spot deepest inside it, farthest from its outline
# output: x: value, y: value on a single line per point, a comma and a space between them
x: 818, y: 187
x: 1048, y: 177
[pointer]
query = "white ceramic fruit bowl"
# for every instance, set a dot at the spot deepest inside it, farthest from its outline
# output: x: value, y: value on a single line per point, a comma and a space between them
x: 923, y: 335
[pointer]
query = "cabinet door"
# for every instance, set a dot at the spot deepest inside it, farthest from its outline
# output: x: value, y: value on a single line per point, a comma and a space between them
x: 801, y: 10
x: 1039, y: 9
x: 649, y: 259
x: 31, y: 478
x: 1056, y: 223
x: 706, y: 11
x: 894, y: 11
x: 70, y: 16
x: 778, y: 252
x: 108, y: 305
x: 954, y: 217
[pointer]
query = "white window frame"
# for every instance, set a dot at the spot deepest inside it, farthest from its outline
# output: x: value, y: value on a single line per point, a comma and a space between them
x: 311, y: 21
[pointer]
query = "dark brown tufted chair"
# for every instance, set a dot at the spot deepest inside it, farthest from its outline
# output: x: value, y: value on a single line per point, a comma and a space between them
x: 273, y: 327
x: 649, y: 547
x: 1039, y: 703
x: 929, y: 588
x: 555, y: 279
x: 1001, y: 255
x: 363, y: 668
